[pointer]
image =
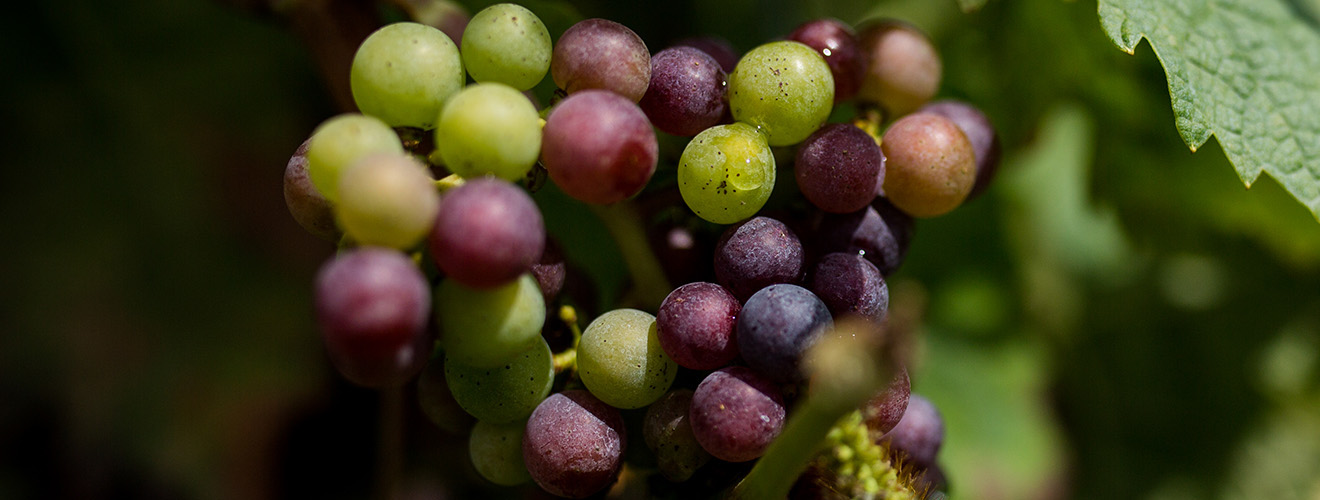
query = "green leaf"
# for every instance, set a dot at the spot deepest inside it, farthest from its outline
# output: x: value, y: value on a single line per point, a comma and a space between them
x: 1247, y: 71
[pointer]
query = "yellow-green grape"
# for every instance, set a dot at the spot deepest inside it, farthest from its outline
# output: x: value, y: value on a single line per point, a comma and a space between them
x: 489, y: 129
x: 403, y: 74
x: 341, y: 141
x: 784, y: 88
x: 726, y: 173
x: 621, y: 362
x: 490, y: 327
x: 496, y: 452
x: 387, y: 200
x: 507, y: 43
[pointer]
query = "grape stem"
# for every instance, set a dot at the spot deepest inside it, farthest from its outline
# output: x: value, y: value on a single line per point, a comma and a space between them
x: 650, y: 287
x: 567, y: 360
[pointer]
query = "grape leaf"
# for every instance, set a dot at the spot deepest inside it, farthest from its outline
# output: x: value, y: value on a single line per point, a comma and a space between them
x: 1247, y: 71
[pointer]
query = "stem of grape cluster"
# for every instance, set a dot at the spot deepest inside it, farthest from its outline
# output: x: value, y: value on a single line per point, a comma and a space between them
x: 625, y: 225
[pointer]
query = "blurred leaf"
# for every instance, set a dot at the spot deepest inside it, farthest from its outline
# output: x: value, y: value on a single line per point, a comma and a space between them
x: 1247, y: 71
x: 971, y: 5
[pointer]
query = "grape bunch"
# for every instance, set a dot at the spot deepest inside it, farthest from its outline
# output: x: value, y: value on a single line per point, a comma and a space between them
x: 445, y: 268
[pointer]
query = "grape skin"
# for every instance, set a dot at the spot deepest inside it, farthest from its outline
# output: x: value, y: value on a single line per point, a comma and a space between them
x: 714, y: 46
x: 777, y: 326
x: 599, y: 147
x: 783, y: 88
x: 930, y: 165
x: 341, y: 141
x: 504, y: 393
x: 487, y: 328
x: 696, y: 324
x: 758, y: 253
x: 621, y: 361
x: 837, y: 43
x: 981, y: 133
x: 308, y: 206
x: 403, y: 74
x: 919, y: 434
x: 387, y: 200
x: 726, y: 173
x: 573, y: 444
x: 489, y: 129
x: 849, y: 284
x: 880, y: 232
x: 884, y: 410
x: 667, y: 429
x: 496, y: 453
x: 507, y: 43
x: 601, y: 54
x: 687, y: 91
x: 488, y: 233
x: 903, y: 70
x: 839, y: 168
x: 736, y: 414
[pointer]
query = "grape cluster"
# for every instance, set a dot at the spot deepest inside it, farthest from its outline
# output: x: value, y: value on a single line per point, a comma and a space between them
x: 445, y: 263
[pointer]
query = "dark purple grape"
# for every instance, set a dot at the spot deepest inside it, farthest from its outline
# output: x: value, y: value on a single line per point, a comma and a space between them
x: 573, y: 444
x: 487, y: 233
x: 550, y: 270
x: 438, y: 403
x: 599, y: 147
x: 696, y: 324
x: 601, y: 54
x: 757, y: 253
x: 687, y: 91
x: 883, y: 411
x: 372, y: 305
x: 716, y: 47
x: 312, y: 210
x: 838, y: 44
x: 879, y: 232
x: 932, y: 479
x: 849, y: 284
x: 776, y: 327
x: 839, y: 167
x: 919, y: 434
x: 979, y: 130
x: 736, y: 414
x: 667, y: 428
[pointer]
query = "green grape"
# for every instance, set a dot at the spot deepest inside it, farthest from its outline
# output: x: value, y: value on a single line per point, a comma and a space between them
x: 506, y: 393
x: 507, y: 43
x: 621, y: 362
x: 496, y: 452
x: 784, y: 88
x: 726, y: 173
x: 403, y: 74
x: 387, y: 200
x: 488, y: 328
x: 341, y: 141
x: 489, y: 128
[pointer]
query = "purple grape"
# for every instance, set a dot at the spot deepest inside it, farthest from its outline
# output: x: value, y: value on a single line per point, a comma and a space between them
x: 687, y: 90
x: 979, y: 130
x: 601, y: 54
x: 919, y: 434
x: 487, y: 233
x: 599, y: 147
x: 838, y: 44
x: 573, y: 444
x: 776, y: 327
x: 550, y: 270
x: 695, y: 324
x: 849, y: 284
x: 839, y: 168
x: 312, y: 210
x: 736, y: 414
x: 880, y: 232
x: 667, y: 428
x: 372, y: 305
x: 716, y: 47
x: 883, y: 411
x: 757, y: 253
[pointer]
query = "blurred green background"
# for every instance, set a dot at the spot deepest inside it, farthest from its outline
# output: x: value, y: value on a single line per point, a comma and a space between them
x: 1115, y: 318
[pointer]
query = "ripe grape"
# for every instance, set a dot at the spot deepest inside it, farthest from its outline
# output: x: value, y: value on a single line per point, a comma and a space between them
x: 736, y: 414
x: 488, y: 233
x: 341, y: 141
x: 506, y: 43
x: 716, y: 47
x: 726, y: 173
x: 550, y: 271
x: 687, y: 91
x: 667, y: 429
x: 839, y: 168
x: 979, y: 130
x: 930, y: 165
x: 489, y: 129
x: 309, y: 207
x: 838, y: 44
x: 496, y: 452
x: 601, y: 54
x: 372, y: 304
x: 488, y: 328
x: 775, y: 328
x: 903, y: 69
x: 880, y: 232
x: 387, y: 200
x: 503, y: 393
x: 696, y: 324
x: 599, y: 147
x: 883, y: 411
x: 849, y: 284
x: 919, y: 434
x: 403, y: 74
x: 783, y: 88
x: 758, y: 253
x: 621, y: 362
x: 573, y: 444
